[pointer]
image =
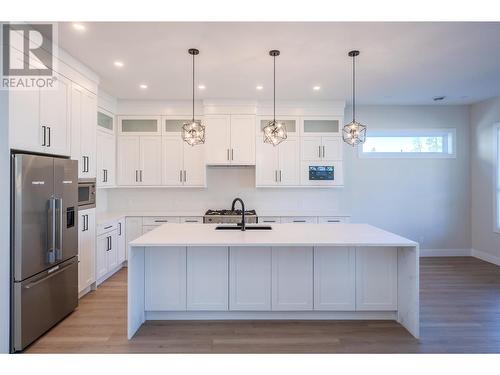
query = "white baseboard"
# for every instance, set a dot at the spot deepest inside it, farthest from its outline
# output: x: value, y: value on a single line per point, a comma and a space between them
x: 487, y: 257
x: 445, y: 252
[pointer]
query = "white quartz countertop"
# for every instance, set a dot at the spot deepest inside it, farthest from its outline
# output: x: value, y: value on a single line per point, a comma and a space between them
x: 105, y: 217
x: 280, y: 235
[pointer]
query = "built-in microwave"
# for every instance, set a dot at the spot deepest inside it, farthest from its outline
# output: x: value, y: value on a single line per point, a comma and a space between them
x: 321, y: 173
x: 86, y: 193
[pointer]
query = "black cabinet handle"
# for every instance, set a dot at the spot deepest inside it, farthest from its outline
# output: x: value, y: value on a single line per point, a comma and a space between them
x: 48, y: 142
x: 44, y: 129
x: 119, y: 229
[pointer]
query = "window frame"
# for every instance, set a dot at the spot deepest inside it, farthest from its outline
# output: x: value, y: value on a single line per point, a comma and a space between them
x: 450, y: 132
x: 496, y: 180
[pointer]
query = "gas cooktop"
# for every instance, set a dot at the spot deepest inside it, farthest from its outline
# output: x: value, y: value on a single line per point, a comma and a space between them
x: 229, y: 216
x: 229, y: 213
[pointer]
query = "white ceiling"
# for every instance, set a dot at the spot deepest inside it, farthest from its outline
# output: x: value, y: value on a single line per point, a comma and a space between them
x: 400, y: 63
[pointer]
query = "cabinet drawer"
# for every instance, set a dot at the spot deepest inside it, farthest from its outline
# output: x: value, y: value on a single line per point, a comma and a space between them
x: 332, y: 219
x: 269, y: 219
x: 107, y: 227
x: 191, y: 219
x: 300, y: 219
x: 159, y: 220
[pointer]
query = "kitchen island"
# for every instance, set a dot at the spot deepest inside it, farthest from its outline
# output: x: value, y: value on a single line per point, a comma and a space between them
x: 294, y: 271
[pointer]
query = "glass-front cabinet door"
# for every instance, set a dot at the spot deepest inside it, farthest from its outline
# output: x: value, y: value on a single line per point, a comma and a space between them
x: 321, y: 126
x: 173, y: 125
x: 139, y: 125
x: 105, y: 121
x: 291, y: 124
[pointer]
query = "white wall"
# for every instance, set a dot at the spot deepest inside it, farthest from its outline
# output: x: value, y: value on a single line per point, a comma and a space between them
x: 485, y: 242
x: 425, y: 200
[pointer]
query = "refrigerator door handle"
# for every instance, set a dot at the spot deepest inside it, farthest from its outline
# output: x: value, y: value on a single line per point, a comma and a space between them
x: 59, y: 231
x: 51, y: 221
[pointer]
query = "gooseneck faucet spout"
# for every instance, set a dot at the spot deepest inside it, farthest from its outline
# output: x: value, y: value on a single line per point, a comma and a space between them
x: 242, y: 211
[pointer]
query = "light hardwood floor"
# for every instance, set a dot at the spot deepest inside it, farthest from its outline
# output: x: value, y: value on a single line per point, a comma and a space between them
x: 460, y: 313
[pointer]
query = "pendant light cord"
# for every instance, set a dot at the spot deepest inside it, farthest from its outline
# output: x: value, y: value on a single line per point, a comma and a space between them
x: 193, y: 87
x: 353, y: 89
x: 274, y: 89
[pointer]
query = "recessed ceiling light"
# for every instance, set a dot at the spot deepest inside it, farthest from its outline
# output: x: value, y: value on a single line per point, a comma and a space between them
x: 79, y: 27
x: 438, y: 98
x: 143, y: 86
x: 201, y: 87
x: 317, y: 88
x: 119, y: 64
x: 259, y: 87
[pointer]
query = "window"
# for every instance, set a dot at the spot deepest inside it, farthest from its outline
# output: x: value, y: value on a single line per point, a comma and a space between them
x: 496, y: 137
x: 422, y: 143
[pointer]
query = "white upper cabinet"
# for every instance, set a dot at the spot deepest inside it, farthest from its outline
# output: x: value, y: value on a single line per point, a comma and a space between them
x: 173, y: 163
x: 39, y: 119
x: 150, y: 171
x: 278, y: 165
x: 106, y: 159
x: 54, y: 115
x: 139, y: 125
x: 321, y: 148
x: 139, y: 160
x: 26, y: 132
x: 183, y: 165
x: 321, y: 126
x: 218, y: 139
x: 128, y: 161
x: 194, y: 165
x: 242, y: 139
x: 230, y: 139
x: 83, y: 130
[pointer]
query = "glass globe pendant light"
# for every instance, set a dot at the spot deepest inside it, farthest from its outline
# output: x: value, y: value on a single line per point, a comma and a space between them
x: 193, y: 132
x: 274, y: 131
x: 354, y: 133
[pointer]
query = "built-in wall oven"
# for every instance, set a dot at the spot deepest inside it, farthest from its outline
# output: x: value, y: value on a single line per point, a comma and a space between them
x: 86, y: 193
x: 321, y: 173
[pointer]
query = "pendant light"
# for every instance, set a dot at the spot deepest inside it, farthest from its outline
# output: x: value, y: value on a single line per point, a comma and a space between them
x: 354, y: 133
x: 193, y: 132
x: 274, y: 131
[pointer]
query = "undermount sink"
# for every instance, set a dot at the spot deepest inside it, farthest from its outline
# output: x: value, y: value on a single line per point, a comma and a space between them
x: 247, y: 227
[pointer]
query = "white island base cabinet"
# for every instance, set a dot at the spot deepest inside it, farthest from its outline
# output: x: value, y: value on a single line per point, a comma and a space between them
x: 209, y: 280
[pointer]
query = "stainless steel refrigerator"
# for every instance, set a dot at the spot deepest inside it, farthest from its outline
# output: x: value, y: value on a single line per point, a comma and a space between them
x: 44, y: 245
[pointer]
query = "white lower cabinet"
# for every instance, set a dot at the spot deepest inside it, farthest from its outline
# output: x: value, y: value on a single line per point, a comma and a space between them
x: 207, y: 278
x: 121, y: 241
x: 250, y: 278
x: 292, y: 278
x: 165, y: 279
x: 133, y: 230
x: 299, y: 219
x: 107, y: 253
x: 86, y: 248
x: 335, y: 278
x: 376, y: 278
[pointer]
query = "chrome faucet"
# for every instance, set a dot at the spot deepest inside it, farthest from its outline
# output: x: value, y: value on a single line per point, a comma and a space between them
x: 242, y: 211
